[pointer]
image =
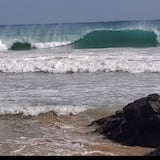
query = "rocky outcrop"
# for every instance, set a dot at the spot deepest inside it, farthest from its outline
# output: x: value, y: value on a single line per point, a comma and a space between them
x: 138, y: 123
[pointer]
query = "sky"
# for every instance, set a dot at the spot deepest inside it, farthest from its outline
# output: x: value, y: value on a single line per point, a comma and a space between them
x: 62, y: 11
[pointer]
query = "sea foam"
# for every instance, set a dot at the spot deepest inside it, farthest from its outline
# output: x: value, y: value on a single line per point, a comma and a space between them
x: 50, y: 44
x: 3, y: 46
x: 36, y: 110
x: 109, y: 60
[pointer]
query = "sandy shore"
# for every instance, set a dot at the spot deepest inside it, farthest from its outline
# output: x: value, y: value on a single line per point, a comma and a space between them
x: 49, y: 134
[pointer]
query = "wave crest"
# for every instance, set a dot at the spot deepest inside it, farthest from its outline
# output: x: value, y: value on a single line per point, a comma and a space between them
x: 95, y: 38
x: 117, y: 38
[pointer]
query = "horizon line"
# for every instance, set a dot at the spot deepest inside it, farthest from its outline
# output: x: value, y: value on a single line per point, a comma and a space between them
x: 77, y: 22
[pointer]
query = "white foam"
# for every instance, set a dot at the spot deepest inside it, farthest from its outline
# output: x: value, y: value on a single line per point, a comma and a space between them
x: 98, y: 152
x: 50, y: 44
x: 107, y: 60
x: 36, y: 110
x: 3, y: 46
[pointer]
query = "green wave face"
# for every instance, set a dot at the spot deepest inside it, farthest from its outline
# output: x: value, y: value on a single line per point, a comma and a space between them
x: 81, y: 35
x: 21, y: 46
x: 117, y: 38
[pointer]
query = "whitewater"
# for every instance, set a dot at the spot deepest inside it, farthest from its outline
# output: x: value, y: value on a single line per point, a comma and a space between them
x: 91, y: 49
x: 79, y: 61
x: 55, y: 79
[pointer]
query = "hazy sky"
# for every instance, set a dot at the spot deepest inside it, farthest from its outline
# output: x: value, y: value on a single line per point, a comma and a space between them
x: 55, y: 11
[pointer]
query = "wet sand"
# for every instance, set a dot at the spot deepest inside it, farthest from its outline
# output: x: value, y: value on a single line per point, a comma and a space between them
x: 64, y: 135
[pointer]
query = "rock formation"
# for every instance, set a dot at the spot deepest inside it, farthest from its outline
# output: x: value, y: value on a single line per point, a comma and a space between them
x: 138, y: 123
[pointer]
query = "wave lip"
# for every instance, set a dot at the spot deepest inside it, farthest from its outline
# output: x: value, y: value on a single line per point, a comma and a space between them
x: 96, y: 38
x: 107, y: 38
x: 117, y: 38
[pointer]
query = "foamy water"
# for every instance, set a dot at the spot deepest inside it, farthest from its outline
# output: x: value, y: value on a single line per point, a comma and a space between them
x: 78, y: 61
x: 56, y: 79
x: 50, y: 135
x: 74, y: 87
x: 69, y: 81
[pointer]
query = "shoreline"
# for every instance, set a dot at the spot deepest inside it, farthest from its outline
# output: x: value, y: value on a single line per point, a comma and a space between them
x: 48, y: 134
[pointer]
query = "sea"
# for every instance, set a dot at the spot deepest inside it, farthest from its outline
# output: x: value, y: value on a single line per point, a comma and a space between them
x: 56, y: 79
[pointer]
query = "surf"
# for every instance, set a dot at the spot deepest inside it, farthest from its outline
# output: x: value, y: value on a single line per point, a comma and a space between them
x: 69, y: 61
x: 81, y: 35
x: 96, y: 39
x: 117, y: 38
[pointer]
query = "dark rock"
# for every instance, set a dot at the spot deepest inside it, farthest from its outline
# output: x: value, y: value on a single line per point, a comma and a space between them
x: 137, y: 124
x: 156, y: 152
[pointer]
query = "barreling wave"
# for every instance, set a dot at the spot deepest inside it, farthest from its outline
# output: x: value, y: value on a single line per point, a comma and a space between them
x: 89, y: 35
x: 97, y: 39
x: 117, y: 38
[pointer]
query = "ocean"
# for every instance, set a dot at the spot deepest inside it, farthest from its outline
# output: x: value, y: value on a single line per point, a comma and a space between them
x: 55, y: 79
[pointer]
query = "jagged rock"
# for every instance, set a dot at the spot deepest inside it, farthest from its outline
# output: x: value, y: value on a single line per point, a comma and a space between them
x: 137, y: 124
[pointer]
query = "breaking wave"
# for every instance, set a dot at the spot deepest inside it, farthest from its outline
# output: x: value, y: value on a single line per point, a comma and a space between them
x: 96, y: 39
x: 117, y: 38
x: 113, y: 60
x: 28, y: 46
x: 96, y: 35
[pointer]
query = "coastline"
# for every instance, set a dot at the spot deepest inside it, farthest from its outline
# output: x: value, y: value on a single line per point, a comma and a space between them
x: 57, y: 79
x: 49, y: 135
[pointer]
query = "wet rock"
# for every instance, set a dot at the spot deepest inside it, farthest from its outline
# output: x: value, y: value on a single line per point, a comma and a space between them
x: 156, y: 152
x: 138, y: 123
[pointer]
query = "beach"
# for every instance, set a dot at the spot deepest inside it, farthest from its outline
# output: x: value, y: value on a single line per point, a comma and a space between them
x: 56, y: 79
x: 52, y: 135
